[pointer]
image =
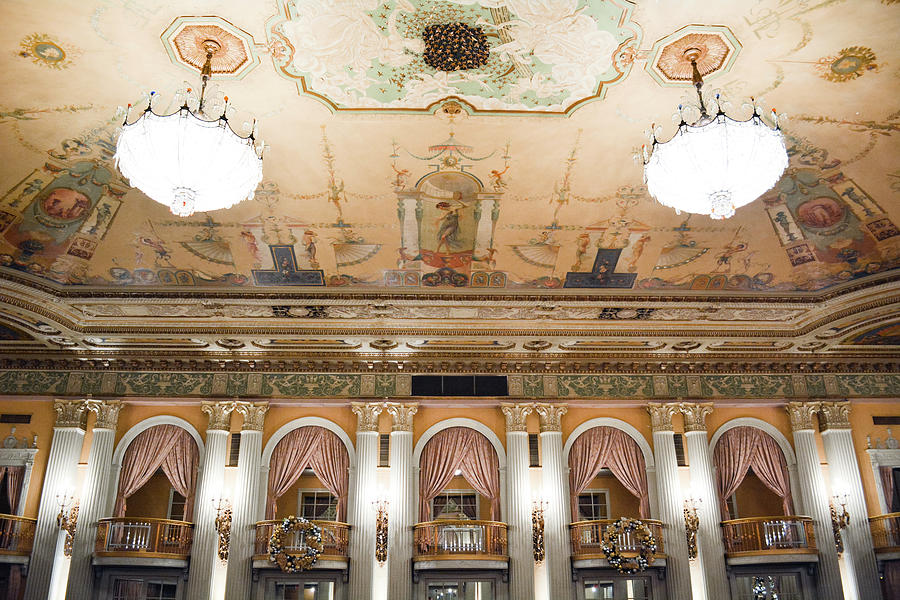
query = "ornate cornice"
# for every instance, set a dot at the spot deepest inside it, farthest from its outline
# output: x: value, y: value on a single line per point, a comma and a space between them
x: 836, y: 415
x: 254, y: 414
x: 515, y: 416
x: 661, y: 415
x: 219, y: 415
x: 550, y: 415
x: 801, y: 414
x: 695, y: 415
x: 107, y: 412
x: 70, y: 413
x: 402, y: 415
x: 367, y: 415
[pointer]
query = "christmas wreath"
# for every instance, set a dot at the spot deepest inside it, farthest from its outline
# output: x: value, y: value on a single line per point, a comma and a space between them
x: 641, y: 534
x: 312, y: 539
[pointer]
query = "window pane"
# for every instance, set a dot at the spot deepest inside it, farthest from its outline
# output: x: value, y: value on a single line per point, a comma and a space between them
x: 637, y: 589
x: 443, y: 591
x: 598, y: 590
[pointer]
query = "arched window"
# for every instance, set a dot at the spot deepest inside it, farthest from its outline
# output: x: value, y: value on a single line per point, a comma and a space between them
x: 741, y: 450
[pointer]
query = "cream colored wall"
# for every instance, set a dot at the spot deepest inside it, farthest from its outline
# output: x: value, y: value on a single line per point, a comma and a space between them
x: 861, y: 425
x: 42, y: 418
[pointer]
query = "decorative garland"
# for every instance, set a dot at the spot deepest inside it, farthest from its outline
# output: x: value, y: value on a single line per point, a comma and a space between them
x: 292, y: 563
x: 610, y: 545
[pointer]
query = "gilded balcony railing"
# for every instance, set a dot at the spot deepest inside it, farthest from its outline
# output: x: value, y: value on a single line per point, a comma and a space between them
x: 587, y: 535
x: 769, y: 535
x: 886, y: 532
x: 16, y: 535
x: 460, y: 539
x: 144, y: 537
x: 335, y: 537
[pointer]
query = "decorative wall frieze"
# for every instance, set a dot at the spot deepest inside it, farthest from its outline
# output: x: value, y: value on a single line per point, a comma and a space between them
x: 516, y: 415
x: 70, y: 413
x: 801, y: 414
x: 254, y: 414
x: 107, y: 412
x: 402, y: 415
x: 835, y: 415
x: 219, y: 414
x: 550, y: 415
x: 661, y: 415
x: 367, y: 415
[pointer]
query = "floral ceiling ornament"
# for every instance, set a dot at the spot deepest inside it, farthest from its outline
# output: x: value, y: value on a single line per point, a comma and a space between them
x: 714, y: 164
x: 187, y: 160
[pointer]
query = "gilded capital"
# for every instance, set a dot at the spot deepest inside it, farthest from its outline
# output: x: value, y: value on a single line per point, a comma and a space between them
x: 367, y: 415
x: 836, y: 414
x: 219, y: 414
x: 70, y: 413
x: 695, y: 415
x: 516, y: 414
x: 402, y: 415
x: 661, y: 416
x: 254, y: 414
x: 801, y: 414
x: 107, y: 412
x: 550, y: 415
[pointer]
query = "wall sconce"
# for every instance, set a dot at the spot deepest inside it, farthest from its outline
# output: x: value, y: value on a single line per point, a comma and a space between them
x: 840, y: 518
x: 691, y: 524
x: 67, y: 519
x: 381, y: 529
x: 537, y: 529
x: 223, y: 525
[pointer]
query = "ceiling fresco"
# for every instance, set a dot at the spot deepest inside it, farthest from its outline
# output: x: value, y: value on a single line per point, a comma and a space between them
x: 516, y: 173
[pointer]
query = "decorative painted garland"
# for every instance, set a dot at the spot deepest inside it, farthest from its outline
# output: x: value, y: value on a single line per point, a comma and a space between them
x: 292, y: 563
x: 610, y: 545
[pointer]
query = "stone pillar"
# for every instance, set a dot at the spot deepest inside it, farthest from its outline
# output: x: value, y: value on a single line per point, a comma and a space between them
x: 362, y: 514
x: 711, y: 549
x: 204, y: 551
x: 815, y: 498
x: 859, y: 556
x: 518, y: 505
x: 401, y: 512
x: 62, y: 469
x: 94, y: 496
x: 671, y: 500
x: 238, y: 580
x: 555, y: 485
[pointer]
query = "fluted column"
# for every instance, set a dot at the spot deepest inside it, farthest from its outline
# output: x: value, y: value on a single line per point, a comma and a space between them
x: 94, y: 496
x: 204, y: 549
x: 362, y: 514
x: 238, y: 579
x: 556, y: 492
x: 711, y: 549
x: 62, y: 470
x: 859, y: 555
x: 401, y: 512
x: 671, y: 500
x: 518, y: 505
x: 812, y: 486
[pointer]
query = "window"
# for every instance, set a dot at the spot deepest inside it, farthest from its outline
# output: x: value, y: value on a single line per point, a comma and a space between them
x: 132, y: 589
x: 176, y: 506
x: 680, y: 458
x: 534, y: 457
x: 732, y: 506
x: 593, y: 505
x: 455, y: 505
x: 384, y: 450
x: 320, y: 505
x: 783, y: 586
x: 617, y: 589
x: 321, y: 590
x: 458, y: 590
x: 598, y: 590
x: 161, y: 591
x: 234, y: 450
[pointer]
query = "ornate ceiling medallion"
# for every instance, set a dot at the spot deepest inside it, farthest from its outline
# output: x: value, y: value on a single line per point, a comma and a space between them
x: 715, y: 46
x: 186, y: 39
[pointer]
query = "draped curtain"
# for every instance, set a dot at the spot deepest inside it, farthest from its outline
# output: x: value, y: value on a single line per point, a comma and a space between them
x: 887, y: 484
x: 613, y: 449
x: 162, y: 446
x: 463, y: 449
x: 15, y: 476
x: 316, y: 448
x: 742, y: 448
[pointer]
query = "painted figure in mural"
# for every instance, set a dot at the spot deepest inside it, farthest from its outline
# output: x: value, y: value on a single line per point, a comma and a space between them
x: 581, y: 247
x: 250, y: 239
x: 723, y: 260
x: 162, y: 254
x: 637, y: 250
x: 65, y: 204
x: 448, y: 223
x: 309, y: 247
x: 497, y: 179
x: 33, y: 187
x: 401, y: 176
x: 785, y: 224
x: 103, y: 215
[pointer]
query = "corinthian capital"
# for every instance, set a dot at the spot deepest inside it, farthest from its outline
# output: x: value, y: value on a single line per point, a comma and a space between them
x: 402, y: 415
x: 107, y: 412
x: 219, y: 414
x: 254, y: 414
x: 70, y: 413
x: 695, y: 415
x: 367, y: 415
x: 801, y: 414
x: 515, y: 415
x: 661, y: 416
x: 550, y: 415
x: 836, y: 414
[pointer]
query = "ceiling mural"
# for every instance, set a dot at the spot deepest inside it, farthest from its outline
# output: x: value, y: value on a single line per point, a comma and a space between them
x: 387, y: 172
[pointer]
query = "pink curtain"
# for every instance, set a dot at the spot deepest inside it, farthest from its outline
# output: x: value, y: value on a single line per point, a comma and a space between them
x: 464, y: 449
x: 15, y: 476
x: 891, y: 582
x: 887, y: 484
x: 147, y: 453
x: 738, y: 450
x: 180, y: 468
x: 16, y: 582
x: 331, y: 464
x: 608, y: 447
x: 770, y: 466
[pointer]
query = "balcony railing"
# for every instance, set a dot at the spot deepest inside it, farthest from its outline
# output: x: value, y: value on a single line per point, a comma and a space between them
x: 460, y: 539
x: 144, y: 538
x: 587, y: 535
x: 335, y: 537
x: 886, y: 532
x: 16, y: 535
x: 769, y: 535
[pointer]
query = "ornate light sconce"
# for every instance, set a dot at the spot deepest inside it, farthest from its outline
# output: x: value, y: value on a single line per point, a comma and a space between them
x: 840, y: 518
x: 381, y: 530
x: 537, y: 530
x: 691, y: 524
x: 223, y: 525
x: 67, y: 519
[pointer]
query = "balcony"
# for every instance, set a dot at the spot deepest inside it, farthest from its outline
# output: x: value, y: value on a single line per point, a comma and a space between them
x: 335, y: 537
x: 468, y: 544
x: 586, y: 537
x: 761, y: 539
x: 16, y: 538
x: 886, y: 535
x: 147, y: 541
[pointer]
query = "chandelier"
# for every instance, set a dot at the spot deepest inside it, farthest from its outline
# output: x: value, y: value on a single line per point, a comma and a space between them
x: 186, y: 160
x: 715, y: 164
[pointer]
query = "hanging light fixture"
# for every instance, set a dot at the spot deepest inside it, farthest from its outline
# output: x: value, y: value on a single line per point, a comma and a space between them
x: 186, y: 160
x: 715, y: 164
